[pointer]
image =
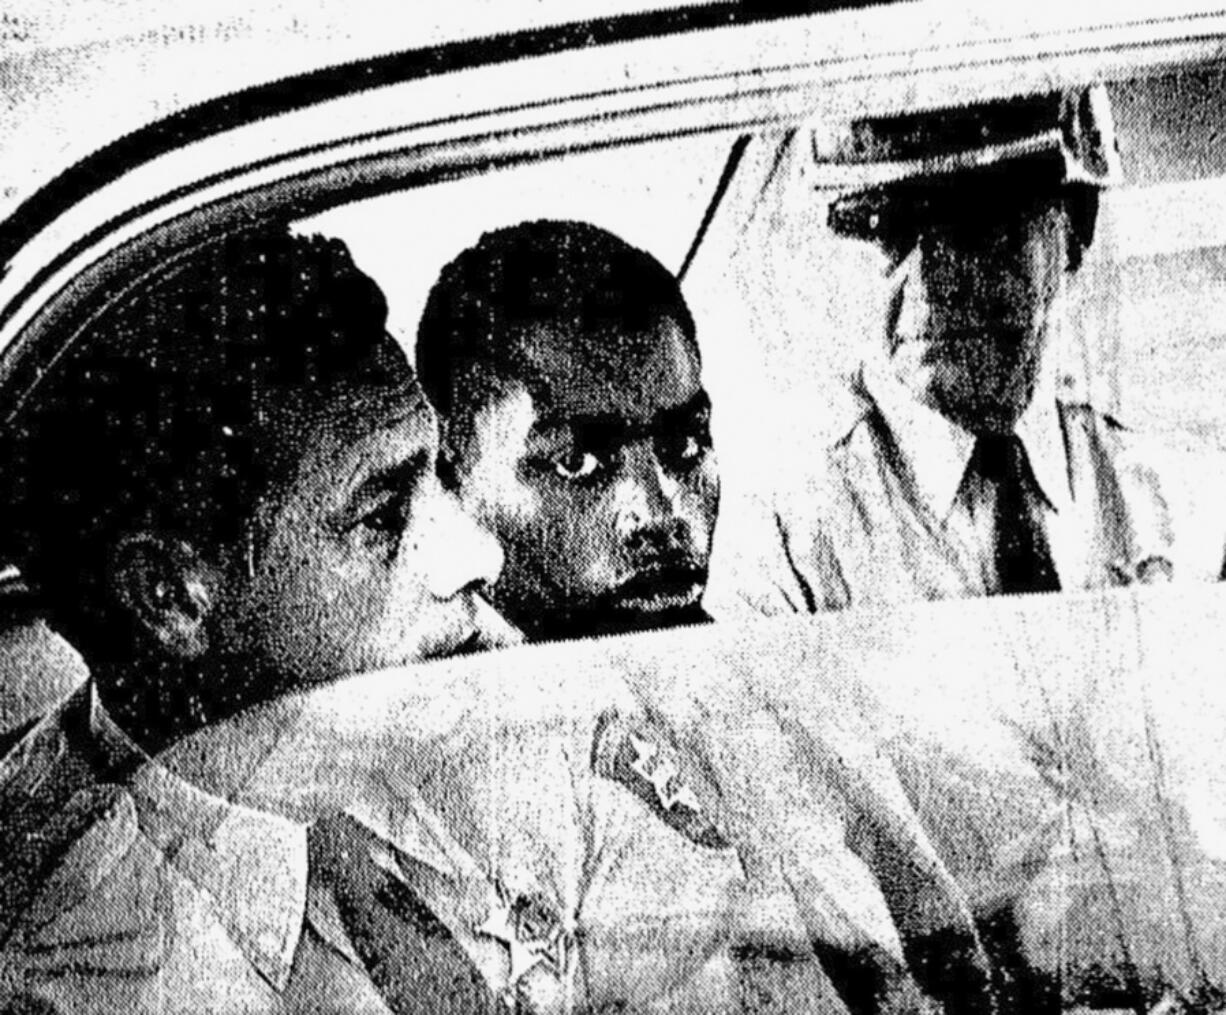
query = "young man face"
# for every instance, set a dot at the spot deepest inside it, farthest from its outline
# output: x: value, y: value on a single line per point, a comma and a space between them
x: 361, y: 560
x: 597, y: 474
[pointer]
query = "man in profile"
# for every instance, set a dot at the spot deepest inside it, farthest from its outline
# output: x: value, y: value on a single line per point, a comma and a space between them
x: 225, y: 494
x: 565, y: 367
x: 967, y: 472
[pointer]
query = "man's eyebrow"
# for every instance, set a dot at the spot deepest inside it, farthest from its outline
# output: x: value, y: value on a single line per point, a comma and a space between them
x: 611, y: 424
x: 581, y: 421
x: 397, y: 476
x: 700, y: 403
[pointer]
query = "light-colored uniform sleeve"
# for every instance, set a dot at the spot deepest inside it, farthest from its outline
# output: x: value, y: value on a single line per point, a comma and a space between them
x: 814, y: 806
x: 773, y: 557
x: 580, y: 869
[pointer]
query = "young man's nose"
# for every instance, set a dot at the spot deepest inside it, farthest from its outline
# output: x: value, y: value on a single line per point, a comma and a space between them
x: 647, y: 499
x: 458, y: 552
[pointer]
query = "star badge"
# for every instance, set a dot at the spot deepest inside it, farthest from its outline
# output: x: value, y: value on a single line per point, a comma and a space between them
x: 663, y: 775
x: 531, y: 930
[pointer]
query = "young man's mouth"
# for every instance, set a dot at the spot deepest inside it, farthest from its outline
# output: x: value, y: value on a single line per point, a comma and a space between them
x: 661, y: 590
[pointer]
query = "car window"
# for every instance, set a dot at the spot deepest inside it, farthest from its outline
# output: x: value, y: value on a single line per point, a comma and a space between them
x: 787, y: 311
x: 653, y: 195
x: 705, y: 207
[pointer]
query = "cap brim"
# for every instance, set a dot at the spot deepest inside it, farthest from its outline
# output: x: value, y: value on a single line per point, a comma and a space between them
x: 895, y: 212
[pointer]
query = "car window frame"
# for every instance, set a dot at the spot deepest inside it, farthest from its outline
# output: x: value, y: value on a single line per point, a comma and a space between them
x: 415, y: 132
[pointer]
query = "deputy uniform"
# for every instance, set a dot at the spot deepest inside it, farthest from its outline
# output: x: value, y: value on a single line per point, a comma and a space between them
x: 372, y: 848
x: 128, y: 889
x: 906, y: 513
x: 575, y: 846
x: 909, y: 504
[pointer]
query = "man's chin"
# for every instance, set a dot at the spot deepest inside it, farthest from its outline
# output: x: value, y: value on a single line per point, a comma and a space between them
x: 679, y: 615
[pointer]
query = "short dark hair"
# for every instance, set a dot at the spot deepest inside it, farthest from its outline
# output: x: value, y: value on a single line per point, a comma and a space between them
x: 154, y: 417
x: 538, y: 272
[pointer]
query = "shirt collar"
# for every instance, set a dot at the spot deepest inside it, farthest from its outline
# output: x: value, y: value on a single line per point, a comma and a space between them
x: 251, y: 863
x: 936, y: 451
x: 1042, y: 435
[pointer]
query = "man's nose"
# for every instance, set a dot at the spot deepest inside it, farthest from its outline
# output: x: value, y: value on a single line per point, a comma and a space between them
x: 647, y: 501
x: 458, y: 552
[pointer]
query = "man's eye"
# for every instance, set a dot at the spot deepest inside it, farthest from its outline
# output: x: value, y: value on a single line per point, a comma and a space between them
x: 385, y: 520
x: 689, y: 448
x: 683, y: 450
x: 577, y: 465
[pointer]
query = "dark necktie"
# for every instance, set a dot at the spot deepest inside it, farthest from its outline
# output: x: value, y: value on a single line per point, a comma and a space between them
x: 1023, y: 560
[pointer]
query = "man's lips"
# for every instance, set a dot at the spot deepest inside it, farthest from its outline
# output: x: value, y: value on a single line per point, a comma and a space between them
x: 452, y: 644
x: 660, y: 589
x: 479, y: 628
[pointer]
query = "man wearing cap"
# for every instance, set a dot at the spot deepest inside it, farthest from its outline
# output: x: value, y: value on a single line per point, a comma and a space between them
x: 966, y: 473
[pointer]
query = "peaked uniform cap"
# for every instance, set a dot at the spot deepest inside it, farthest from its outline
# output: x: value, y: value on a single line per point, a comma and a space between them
x: 1055, y: 139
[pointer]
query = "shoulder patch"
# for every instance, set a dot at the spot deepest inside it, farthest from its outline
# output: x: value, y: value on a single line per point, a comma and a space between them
x: 120, y: 918
x: 639, y: 756
x: 95, y: 895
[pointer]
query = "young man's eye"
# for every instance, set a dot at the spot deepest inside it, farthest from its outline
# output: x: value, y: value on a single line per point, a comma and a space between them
x: 577, y: 465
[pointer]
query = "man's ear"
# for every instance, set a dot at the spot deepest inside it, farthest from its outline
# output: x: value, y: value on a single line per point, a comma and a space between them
x: 168, y: 590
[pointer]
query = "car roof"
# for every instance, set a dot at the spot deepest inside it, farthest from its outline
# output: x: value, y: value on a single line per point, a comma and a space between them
x: 93, y: 87
x: 82, y: 74
x: 408, y: 116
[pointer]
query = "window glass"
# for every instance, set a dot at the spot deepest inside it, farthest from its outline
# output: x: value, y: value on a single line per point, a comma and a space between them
x: 787, y: 312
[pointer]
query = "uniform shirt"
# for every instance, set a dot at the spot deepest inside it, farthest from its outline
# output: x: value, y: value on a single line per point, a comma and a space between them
x: 577, y: 843
x: 539, y: 835
x: 129, y: 889
x: 930, y: 480
x: 564, y: 843
x: 896, y: 516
